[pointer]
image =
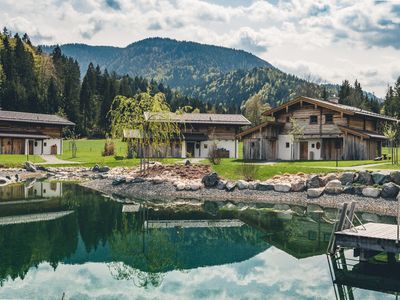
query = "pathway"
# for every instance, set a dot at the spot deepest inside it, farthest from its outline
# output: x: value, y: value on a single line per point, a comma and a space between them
x: 53, y: 160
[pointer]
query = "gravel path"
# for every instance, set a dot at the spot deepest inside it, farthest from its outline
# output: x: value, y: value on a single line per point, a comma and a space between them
x: 167, y: 192
x: 53, y: 160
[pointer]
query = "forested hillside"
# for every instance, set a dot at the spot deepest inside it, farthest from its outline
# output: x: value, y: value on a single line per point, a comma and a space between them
x: 179, y: 64
x: 36, y: 82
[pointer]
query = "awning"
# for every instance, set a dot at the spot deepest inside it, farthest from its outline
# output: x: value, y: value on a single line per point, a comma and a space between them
x: 23, y: 135
x: 195, y: 137
x: 362, y: 133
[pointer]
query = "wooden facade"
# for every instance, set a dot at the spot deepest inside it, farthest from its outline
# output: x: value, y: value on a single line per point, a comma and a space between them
x: 330, y: 131
x: 30, y: 133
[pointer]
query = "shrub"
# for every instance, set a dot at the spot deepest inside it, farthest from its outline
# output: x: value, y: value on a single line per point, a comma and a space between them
x: 249, y: 172
x: 214, y: 155
x: 109, y: 148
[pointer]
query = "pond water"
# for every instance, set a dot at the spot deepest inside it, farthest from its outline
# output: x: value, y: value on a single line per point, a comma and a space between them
x: 61, y: 240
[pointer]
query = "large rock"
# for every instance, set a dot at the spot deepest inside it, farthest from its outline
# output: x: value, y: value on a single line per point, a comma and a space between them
x: 104, y: 169
x: 358, y: 189
x: 379, y: 178
x: 334, y: 187
x: 315, y: 192
x: 221, y: 184
x: 348, y: 189
x: 298, y: 186
x: 195, y: 186
x: 371, y: 192
x: 395, y: 177
x: 314, y: 182
x: 253, y: 185
x: 282, y: 187
x: 230, y: 186
x: 390, y: 190
x: 210, y: 180
x: 364, y: 177
x: 328, y: 177
x: 180, y: 186
x: 262, y: 186
x: 119, y: 180
x: 30, y: 167
x: 346, y: 178
x: 3, y: 181
x: 242, y: 185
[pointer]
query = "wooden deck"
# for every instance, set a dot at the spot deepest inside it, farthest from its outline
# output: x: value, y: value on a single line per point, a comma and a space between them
x: 370, y: 236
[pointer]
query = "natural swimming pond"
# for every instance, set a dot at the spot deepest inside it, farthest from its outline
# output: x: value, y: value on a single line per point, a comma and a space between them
x: 61, y: 240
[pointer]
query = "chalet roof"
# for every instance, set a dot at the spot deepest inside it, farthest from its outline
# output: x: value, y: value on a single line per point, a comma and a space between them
x: 350, y: 110
x: 16, y: 116
x: 199, y: 118
x: 258, y: 127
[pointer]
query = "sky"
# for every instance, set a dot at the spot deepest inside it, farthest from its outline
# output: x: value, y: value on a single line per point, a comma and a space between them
x: 326, y: 41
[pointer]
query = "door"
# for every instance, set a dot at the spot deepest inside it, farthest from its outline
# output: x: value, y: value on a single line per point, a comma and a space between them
x: 30, y: 147
x: 53, y: 150
x: 303, y: 150
x: 189, y: 149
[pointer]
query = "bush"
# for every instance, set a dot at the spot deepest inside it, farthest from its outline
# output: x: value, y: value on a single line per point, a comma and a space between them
x: 249, y: 172
x: 109, y: 148
x: 118, y: 157
x: 214, y: 155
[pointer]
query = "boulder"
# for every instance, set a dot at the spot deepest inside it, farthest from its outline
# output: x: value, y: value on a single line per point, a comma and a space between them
x: 3, y: 181
x: 334, y: 187
x: 328, y: 177
x: 221, y: 184
x: 298, y: 186
x: 358, y: 189
x: 347, y: 178
x: 253, y: 185
x: 390, y: 190
x: 195, y: 186
x: 119, y: 180
x: 230, y: 186
x: 379, y: 178
x: 371, y: 192
x: 364, y: 177
x: 314, y: 182
x: 103, y: 169
x: 180, y: 186
x: 262, y: 186
x: 157, y: 180
x: 96, y: 168
x: 348, y: 189
x: 282, y: 187
x: 210, y: 180
x: 315, y: 192
x: 30, y: 167
x: 395, y: 177
x: 188, y: 163
x: 138, y: 180
x: 242, y: 185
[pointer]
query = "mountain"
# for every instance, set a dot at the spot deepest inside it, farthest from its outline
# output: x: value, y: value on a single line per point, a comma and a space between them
x: 179, y: 64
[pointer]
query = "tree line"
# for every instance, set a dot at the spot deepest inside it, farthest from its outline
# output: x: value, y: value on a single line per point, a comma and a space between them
x: 32, y: 81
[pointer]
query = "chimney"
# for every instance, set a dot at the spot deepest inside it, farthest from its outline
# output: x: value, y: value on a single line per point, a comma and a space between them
x: 333, y: 100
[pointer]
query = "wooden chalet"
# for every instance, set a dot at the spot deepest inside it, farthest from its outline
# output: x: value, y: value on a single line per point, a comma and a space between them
x: 31, y: 133
x: 330, y: 130
x: 199, y: 133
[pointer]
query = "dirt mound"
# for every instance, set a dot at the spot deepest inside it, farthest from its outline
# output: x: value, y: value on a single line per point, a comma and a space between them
x: 182, y: 171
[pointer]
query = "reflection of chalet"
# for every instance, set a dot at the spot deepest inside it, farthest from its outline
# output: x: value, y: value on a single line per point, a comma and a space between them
x: 36, y: 189
x: 330, y: 129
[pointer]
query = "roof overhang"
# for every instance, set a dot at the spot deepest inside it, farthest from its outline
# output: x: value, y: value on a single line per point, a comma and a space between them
x: 259, y: 127
x: 23, y: 136
x: 362, y: 133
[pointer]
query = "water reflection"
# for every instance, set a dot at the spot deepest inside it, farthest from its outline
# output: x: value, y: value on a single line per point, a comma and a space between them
x: 144, y: 243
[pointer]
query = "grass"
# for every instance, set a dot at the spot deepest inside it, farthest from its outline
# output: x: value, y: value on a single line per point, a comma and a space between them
x: 89, y: 153
x: 16, y: 160
x: 231, y: 169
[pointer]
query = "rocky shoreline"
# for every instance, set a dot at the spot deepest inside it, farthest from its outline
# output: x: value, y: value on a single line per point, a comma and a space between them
x: 375, y: 192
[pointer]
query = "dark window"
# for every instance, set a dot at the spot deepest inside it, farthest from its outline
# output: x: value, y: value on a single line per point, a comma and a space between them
x: 197, y: 146
x: 288, y: 119
x: 312, y: 235
x: 205, y: 146
x: 45, y: 144
x: 313, y: 119
x: 318, y: 145
x: 328, y: 119
x: 312, y: 145
x: 35, y: 144
x: 287, y: 145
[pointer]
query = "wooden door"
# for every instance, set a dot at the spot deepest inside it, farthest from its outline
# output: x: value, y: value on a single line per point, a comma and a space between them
x: 30, y: 148
x: 53, y: 150
x: 303, y: 150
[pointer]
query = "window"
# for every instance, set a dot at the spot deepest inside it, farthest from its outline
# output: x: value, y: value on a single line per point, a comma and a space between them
x: 318, y: 145
x: 313, y: 119
x: 205, y: 146
x: 197, y: 146
x: 312, y: 145
x: 287, y: 145
x: 312, y: 235
x: 35, y: 144
x: 45, y: 144
x: 328, y: 119
x: 287, y: 119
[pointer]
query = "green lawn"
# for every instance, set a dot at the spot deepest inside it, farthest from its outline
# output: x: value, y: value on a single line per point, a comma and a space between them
x: 89, y: 153
x: 16, y: 160
x: 232, y: 169
x: 330, y: 163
